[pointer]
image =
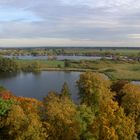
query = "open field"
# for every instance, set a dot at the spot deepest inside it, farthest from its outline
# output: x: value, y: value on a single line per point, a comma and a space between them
x: 113, y: 69
x: 43, y: 63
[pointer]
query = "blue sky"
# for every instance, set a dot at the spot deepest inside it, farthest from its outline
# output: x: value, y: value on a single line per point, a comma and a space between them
x: 69, y: 23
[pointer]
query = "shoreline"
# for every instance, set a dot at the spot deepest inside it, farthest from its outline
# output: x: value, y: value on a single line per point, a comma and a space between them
x: 114, y: 70
x: 85, y: 70
x: 66, y: 69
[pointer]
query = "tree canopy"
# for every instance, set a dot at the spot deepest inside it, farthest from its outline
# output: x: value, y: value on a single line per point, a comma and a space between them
x: 99, y: 115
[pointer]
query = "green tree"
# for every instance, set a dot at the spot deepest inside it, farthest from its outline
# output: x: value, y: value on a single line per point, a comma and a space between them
x: 67, y: 63
x: 65, y: 90
x: 8, y: 65
x: 5, y: 106
x: 85, y: 117
x: 32, y: 67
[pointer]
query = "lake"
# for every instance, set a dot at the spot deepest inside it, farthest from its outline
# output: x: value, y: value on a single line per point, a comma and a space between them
x: 59, y: 57
x: 37, y: 85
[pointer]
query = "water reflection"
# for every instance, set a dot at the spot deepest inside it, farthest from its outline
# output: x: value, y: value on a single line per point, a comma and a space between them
x: 59, y: 57
x: 7, y: 75
x: 37, y: 85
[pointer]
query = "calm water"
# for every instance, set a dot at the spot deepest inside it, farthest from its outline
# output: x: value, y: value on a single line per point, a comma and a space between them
x: 38, y: 85
x: 60, y: 57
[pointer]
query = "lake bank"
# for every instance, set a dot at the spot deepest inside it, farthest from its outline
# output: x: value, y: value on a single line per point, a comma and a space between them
x: 85, y: 70
x: 38, y: 85
x: 114, y: 69
x: 123, y: 70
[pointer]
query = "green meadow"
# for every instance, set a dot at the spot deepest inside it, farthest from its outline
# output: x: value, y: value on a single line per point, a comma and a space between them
x: 114, y: 69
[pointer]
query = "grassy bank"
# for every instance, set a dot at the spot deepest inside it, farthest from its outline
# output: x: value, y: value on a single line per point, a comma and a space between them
x: 113, y: 69
x: 43, y: 63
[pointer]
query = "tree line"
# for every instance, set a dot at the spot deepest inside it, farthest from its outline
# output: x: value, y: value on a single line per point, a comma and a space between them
x: 107, y: 111
x: 11, y: 65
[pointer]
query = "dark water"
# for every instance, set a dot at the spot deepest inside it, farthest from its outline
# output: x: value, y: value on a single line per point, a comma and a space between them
x: 60, y: 57
x: 37, y: 85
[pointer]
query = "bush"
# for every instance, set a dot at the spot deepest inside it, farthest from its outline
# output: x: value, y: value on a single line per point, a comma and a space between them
x: 5, y: 106
x: 8, y: 65
x: 33, y: 67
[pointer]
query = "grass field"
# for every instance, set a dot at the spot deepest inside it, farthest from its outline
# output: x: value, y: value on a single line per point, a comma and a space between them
x: 113, y: 69
x: 43, y: 63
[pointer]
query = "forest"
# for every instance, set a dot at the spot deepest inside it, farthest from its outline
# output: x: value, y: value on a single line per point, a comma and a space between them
x: 78, y: 51
x: 107, y: 111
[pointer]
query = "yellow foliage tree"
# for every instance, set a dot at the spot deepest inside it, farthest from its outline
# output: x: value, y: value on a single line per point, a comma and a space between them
x: 61, y: 116
x: 110, y: 122
x: 93, y: 88
x: 17, y: 125
x: 131, y: 103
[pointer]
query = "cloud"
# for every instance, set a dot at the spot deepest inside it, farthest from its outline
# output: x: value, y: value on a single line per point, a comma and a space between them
x: 135, y: 36
x: 23, y: 42
x: 113, y: 22
x: 125, y: 4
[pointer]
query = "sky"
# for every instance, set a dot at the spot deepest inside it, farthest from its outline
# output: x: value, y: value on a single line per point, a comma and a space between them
x: 34, y: 23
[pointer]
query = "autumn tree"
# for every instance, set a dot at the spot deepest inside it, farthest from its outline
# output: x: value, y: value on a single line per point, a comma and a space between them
x: 65, y: 90
x: 110, y: 122
x: 131, y: 103
x: 116, y: 87
x: 20, y: 122
x: 60, y: 114
x: 93, y: 88
x: 97, y: 117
